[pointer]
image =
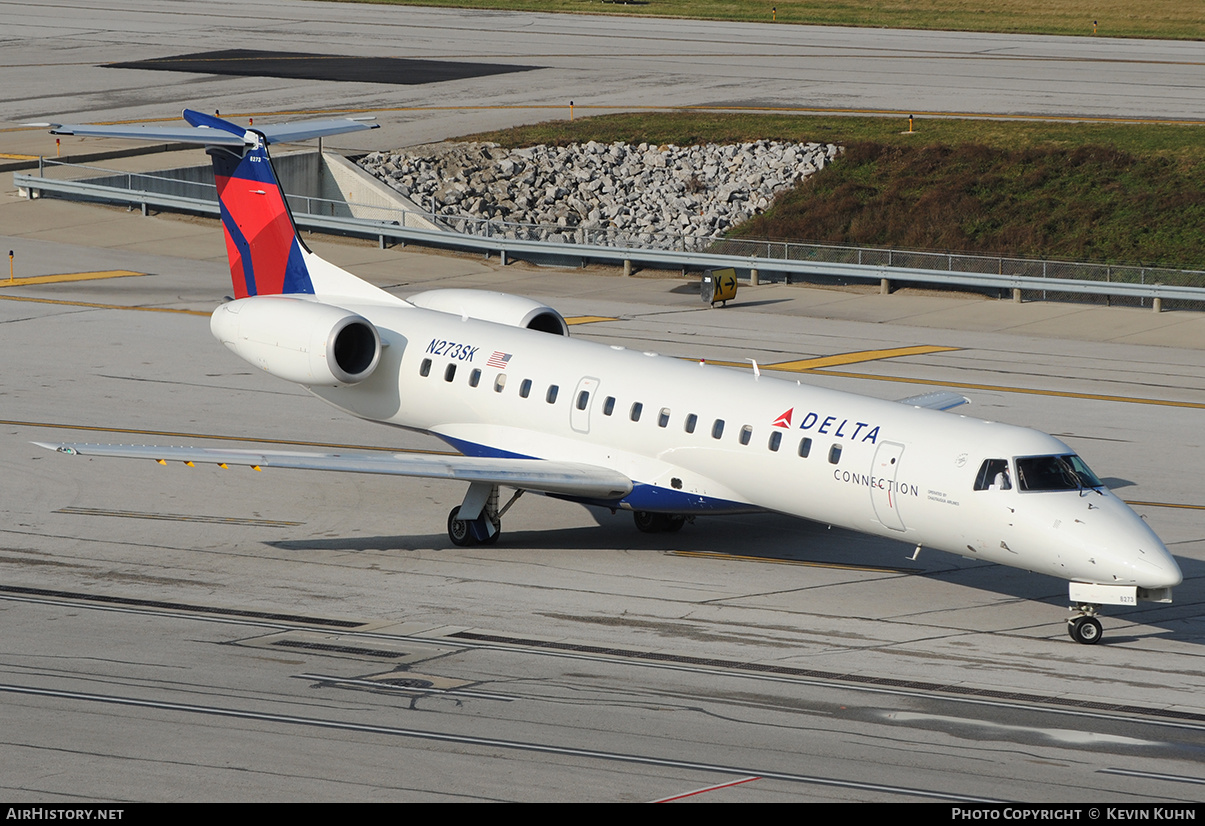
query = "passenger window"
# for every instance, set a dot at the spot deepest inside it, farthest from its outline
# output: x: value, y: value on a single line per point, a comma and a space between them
x: 608, y: 405
x: 746, y: 434
x: 450, y: 372
x: 525, y: 389
x: 583, y: 399
x: 775, y: 440
x: 834, y: 454
x: 550, y: 397
x: 474, y: 378
x: 424, y: 369
x: 499, y: 382
x: 805, y: 447
x: 691, y: 422
x: 717, y: 429
x: 993, y: 475
x: 637, y: 409
x: 663, y: 419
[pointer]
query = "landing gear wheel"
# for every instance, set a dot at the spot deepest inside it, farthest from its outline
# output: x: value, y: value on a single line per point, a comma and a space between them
x: 647, y: 522
x: 1086, y: 630
x: 459, y: 530
x: 1072, y: 625
x: 674, y: 523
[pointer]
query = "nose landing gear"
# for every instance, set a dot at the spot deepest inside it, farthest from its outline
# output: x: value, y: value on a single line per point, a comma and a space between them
x: 1085, y: 628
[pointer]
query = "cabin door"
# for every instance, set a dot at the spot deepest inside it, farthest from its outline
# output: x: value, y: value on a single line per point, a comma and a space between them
x: 579, y: 407
x: 883, y: 494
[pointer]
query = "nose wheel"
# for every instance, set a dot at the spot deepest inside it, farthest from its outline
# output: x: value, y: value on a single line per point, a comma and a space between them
x: 1085, y: 628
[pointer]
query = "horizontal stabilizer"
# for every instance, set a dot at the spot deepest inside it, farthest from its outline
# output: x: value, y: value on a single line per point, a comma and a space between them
x: 939, y: 400
x: 163, y: 134
x: 566, y: 478
x: 208, y: 130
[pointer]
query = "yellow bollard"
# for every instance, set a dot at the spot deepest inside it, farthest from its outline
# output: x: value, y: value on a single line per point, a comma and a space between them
x: 571, y: 111
x: 10, y: 265
x: 910, y: 124
x: 774, y: 11
x: 58, y: 147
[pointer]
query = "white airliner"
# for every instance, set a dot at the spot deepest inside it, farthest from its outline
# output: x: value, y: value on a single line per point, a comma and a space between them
x: 497, y: 377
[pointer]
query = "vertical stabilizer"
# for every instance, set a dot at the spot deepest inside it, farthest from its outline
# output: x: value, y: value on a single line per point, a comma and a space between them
x: 265, y: 253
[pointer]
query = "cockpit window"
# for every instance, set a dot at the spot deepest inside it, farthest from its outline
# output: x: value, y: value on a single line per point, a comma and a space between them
x: 1042, y: 473
x: 993, y: 475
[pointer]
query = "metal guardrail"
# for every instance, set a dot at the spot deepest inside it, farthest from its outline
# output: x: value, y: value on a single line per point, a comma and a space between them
x: 664, y: 249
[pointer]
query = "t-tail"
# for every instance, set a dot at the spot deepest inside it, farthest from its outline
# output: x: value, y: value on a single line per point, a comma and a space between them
x: 267, y: 256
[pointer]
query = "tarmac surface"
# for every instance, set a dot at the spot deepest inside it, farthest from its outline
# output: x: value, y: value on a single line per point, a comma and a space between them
x: 178, y: 634
x: 57, y: 65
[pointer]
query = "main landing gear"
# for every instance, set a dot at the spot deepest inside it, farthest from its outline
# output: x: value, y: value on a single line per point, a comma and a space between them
x: 647, y: 522
x: 1085, y: 628
x: 485, y: 526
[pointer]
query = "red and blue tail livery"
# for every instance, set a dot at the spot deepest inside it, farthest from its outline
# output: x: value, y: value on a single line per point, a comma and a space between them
x: 264, y: 250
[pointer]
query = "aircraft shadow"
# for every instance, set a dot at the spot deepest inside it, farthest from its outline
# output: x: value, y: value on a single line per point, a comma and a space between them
x: 777, y: 538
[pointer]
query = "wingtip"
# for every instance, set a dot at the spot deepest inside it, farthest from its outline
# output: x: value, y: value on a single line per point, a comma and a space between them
x: 57, y: 447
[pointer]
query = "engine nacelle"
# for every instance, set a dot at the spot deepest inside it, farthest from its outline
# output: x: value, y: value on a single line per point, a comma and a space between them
x: 299, y: 340
x: 501, y: 308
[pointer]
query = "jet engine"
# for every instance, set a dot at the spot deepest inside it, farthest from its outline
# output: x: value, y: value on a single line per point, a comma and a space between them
x: 501, y: 308
x: 303, y: 341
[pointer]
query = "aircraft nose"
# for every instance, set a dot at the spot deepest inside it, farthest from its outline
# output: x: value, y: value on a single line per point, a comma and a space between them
x: 1164, y: 572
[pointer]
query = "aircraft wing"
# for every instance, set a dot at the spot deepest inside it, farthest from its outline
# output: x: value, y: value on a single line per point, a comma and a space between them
x: 939, y: 400
x: 567, y: 478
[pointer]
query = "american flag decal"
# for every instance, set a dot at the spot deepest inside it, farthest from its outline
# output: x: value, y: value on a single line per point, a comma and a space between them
x: 499, y: 359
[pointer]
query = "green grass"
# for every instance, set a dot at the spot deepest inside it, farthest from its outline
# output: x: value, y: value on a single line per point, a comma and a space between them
x: 1116, y: 193
x: 1172, y: 19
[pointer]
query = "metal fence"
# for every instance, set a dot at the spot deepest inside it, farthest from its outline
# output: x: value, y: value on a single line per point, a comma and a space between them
x: 1049, y: 280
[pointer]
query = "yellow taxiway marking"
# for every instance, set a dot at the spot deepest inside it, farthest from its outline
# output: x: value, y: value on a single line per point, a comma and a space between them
x: 1029, y: 391
x: 588, y: 319
x: 13, y: 157
x: 854, y: 358
x: 68, y: 276
x: 834, y: 565
x: 803, y: 365
x: 1164, y: 505
x: 98, y: 306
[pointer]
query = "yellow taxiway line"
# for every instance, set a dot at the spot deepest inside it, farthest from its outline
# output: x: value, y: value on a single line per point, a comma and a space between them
x: 588, y: 319
x: 98, y: 306
x: 1030, y: 391
x: 803, y: 365
x: 68, y: 276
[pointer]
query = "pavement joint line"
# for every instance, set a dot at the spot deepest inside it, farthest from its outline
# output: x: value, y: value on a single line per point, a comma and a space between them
x: 839, y: 566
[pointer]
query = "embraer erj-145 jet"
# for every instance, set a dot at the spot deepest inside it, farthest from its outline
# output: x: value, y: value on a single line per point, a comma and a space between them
x: 497, y: 377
